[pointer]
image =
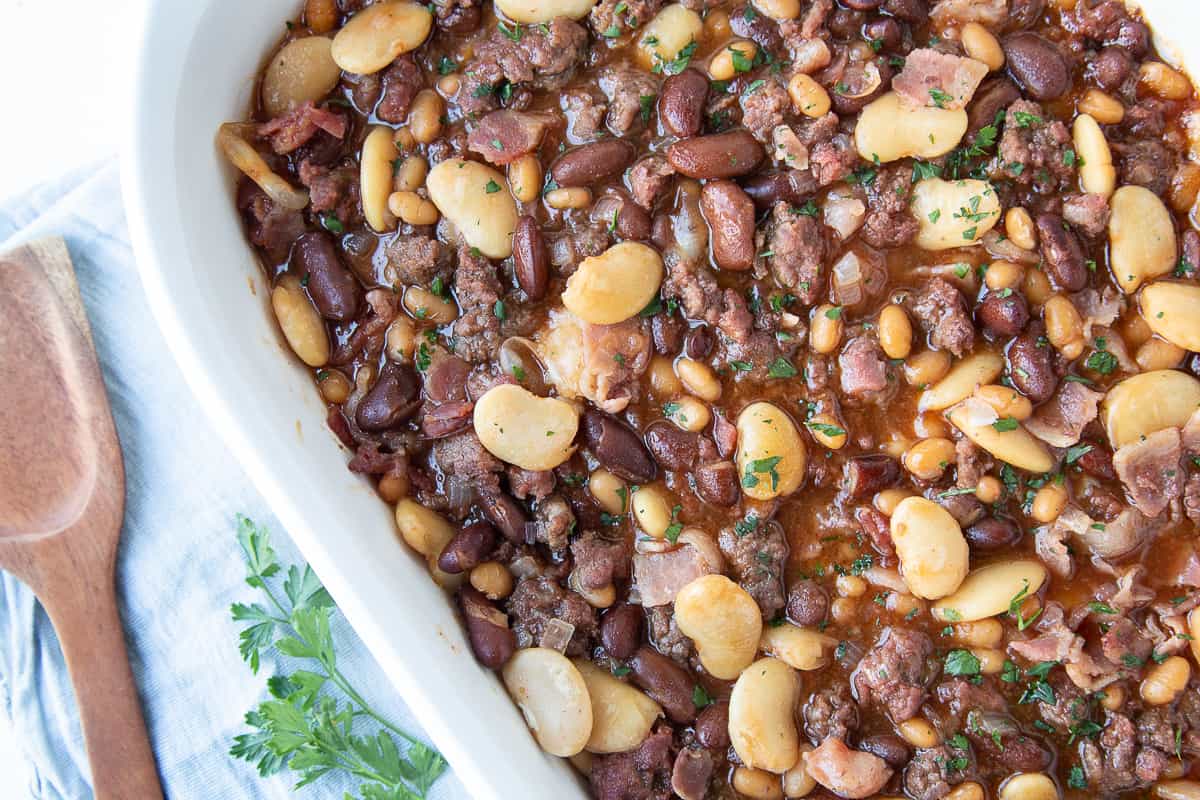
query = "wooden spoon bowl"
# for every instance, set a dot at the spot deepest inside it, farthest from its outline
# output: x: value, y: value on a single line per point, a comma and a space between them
x: 62, y: 500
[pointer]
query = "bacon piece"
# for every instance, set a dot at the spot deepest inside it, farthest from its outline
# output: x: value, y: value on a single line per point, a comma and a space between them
x: 933, y: 78
x: 504, y: 136
x: 296, y: 127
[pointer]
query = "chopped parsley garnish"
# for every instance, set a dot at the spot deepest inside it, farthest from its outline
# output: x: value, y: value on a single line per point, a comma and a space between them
x: 1006, y: 424
x: 499, y: 310
x: 962, y: 662
x: 491, y: 187
x: 940, y: 98
x: 762, y: 466
x: 781, y: 368
x: 1100, y: 359
x: 700, y: 697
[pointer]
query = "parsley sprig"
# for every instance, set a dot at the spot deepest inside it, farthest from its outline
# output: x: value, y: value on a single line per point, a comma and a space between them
x: 305, y: 727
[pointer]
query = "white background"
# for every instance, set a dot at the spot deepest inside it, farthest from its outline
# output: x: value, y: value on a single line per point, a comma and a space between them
x: 65, y: 67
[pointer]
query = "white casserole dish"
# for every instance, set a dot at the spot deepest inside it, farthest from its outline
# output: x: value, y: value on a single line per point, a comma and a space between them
x: 195, y: 70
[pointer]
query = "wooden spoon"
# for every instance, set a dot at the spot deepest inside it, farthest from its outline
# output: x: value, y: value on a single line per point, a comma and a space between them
x: 62, y: 498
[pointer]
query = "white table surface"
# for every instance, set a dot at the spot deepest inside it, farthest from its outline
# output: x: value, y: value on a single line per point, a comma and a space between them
x: 68, y: 110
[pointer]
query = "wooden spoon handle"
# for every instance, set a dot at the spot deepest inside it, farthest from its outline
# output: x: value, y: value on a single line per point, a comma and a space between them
x: 114, y: 731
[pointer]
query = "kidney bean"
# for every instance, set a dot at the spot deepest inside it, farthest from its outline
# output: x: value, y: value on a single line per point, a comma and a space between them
x: 758, y: 28
x: 672, y: 447
x: 700, y: 341
x: 469, y: 547
x: 633, y: 222
x: 1003, y: 316
x: 681, y: 103
x: 1025, y: 13
x: 666, y: 682
x: 618, y: 447
x: 393, y: 399
x: 889, y: 747
x: 992, y: 533
x: 914, y: 11
x: 1031, y: 364
x: 591, y: 163
x: 864, y: 476
x: 717, y: 483
x: 1111, y: 67
x: 667, y: 332
x: 712, y: 726
x: 847, y: 22
x: 884, y: 30
x: 446, y: 418
x: 993, y: 96
x: 333, y: 289
x: 1063, y: 254
x: 492, y: 641
x: 729, y: 213
x: 856, y: 74
x: 506, y: 514
x: 768, y: 188
x: 1037, y: 65
x: 531, y: 262
x: 717, y: 155
x: 621, y: 631
x: 807, y: 604
x: 446, y: 380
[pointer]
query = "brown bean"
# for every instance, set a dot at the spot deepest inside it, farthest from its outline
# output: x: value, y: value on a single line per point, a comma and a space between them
x: 591, y: 163
x: 717, y: 483
x: 857, y: 75
x: 446, y: 380
x: 1111, y: 67
x: 700, y: 341
x: 621, y: 630
x: 1037, y: 65
x: 672, y: 447
x: 992, y: 533
x: 1003, y: 315
x: 717, y: 155
x: 914, y: 11
x: 993, y: 95
x: 618, y: 447
x: 681, y: 103
x: 506, y: 514
x: 333, y: 289
x: 1065, y: 262
x: 668, y: 332
x: 1031, y: 364
x: 469, y: 547
x: 712, y: 726
x: 889, y: 747
x: 633, y: 222
x: 393, y: 399
x: 807, y: 604
x: 729, y: 212
x: 864, y: 476
x: 492, y: 641
x: 768, y: 188
x: 530, y: 259
x: 666, y: 682
x: 884, y: 30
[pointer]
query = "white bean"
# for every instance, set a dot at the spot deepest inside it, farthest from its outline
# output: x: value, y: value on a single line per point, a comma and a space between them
x: 1143, y: 404
x: 473, y: 197
x: 762, y: 722
x: 930, y: 545
x: 518, y: 427
x: 553, y: 696
x: 615, y: 285
x: 303, y: 71
x: 375, y: 36
x: 889, y: 130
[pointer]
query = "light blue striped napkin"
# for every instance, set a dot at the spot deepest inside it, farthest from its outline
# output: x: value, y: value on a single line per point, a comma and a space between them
x: 179, y: 567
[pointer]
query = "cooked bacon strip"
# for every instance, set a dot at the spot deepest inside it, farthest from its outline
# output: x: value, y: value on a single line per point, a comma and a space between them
x: 941, y: 80
x: 297, y: 127
x: 504, y: 136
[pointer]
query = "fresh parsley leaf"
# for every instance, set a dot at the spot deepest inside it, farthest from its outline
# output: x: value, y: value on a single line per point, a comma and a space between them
x: 781, y: 368
x: 700, y: 697
x: 961, y: 662
x: 316, y: 722
x: 940, y: 98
